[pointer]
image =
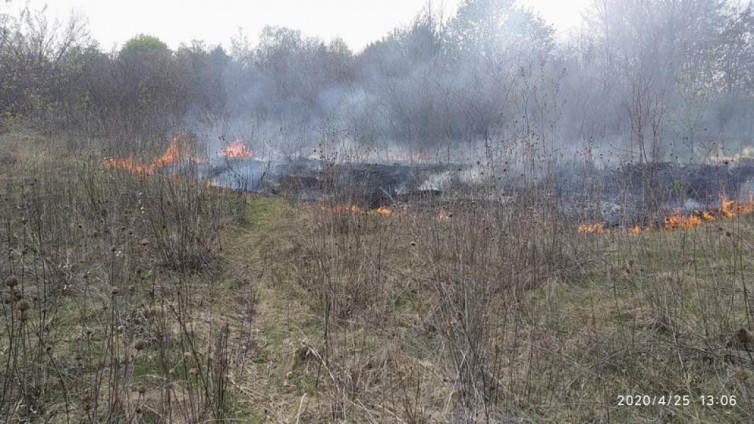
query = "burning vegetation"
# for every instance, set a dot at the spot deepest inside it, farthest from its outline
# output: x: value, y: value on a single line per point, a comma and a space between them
x: 177, y: 151
x: 341, y: 209
x: 383, y: 211
x: 237, y: 150
x: 678, y: 220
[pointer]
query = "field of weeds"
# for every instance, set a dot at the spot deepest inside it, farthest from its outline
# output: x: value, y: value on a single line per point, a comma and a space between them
x: 153, y: 298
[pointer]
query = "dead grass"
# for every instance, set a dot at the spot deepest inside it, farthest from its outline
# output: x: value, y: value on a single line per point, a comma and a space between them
x: 425, y: 321
x: 117, y: 275
x: 499, y: 314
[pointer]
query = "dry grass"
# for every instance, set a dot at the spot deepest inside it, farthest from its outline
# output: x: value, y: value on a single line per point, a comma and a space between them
x: 507, y: 314
x: 211, y: 306
x: 112, y: 316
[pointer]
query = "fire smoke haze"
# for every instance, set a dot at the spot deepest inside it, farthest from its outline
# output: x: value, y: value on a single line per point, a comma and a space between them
x: 609, y: 81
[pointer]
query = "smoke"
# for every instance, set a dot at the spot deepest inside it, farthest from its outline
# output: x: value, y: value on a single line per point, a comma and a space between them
x: 491, y: 83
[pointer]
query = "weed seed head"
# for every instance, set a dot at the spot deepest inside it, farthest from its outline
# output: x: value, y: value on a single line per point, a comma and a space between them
x: 11, y: 281
x: 23, y: 305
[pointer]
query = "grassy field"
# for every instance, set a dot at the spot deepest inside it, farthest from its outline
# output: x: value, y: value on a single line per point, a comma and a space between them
x: 159, y: 299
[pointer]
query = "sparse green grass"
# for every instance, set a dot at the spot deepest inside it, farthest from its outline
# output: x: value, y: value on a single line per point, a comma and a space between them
x: 265, y: 212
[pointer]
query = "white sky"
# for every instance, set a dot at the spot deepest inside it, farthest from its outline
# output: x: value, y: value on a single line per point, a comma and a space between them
x: 359, y: 22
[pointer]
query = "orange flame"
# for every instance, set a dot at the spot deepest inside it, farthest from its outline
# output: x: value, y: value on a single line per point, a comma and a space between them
x: 237, y: 150
x: 340, y: 209
x: 384, y: 211
x: 728, y: 209
x: 678, y: 221
x: 343, y: 209
x: 598, y: 228
x: 177, y: 151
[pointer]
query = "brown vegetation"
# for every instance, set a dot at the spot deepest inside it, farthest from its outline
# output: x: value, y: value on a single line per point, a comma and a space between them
x: 158, y: 299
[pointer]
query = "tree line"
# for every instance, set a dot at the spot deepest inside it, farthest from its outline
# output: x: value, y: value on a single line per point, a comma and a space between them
x: 648, y: 79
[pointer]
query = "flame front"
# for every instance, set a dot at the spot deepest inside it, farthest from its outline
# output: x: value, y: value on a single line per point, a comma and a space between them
x: 177, y: 151
x: 343, y: 209
x: 237, y: 150
x: 384, y: 211
x: 678, y: 221
x: 598, y: 228
x: 340, y: 209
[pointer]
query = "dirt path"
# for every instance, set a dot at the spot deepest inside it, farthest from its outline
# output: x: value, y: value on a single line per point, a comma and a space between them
x: 271, y: 318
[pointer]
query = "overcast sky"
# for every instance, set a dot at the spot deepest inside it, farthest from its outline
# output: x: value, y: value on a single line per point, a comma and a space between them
x: 112, y: 22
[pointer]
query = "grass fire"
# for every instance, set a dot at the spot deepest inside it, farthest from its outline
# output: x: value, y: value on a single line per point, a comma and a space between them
x: 237, y: 150
x: 477, y: 211
x: 176, y: 152
x: 677, y: 220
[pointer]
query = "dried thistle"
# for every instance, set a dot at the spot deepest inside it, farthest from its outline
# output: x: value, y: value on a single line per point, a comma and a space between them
x: 23, y: 305
x: 11, y: 281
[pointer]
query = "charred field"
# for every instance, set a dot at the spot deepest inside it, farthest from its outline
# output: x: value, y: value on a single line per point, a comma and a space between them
x: 365, y: 292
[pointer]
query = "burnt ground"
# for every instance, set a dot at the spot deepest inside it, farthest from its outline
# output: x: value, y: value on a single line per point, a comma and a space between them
x: 372, y: 185
x: 635, y: 194
x: 627, y: 195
